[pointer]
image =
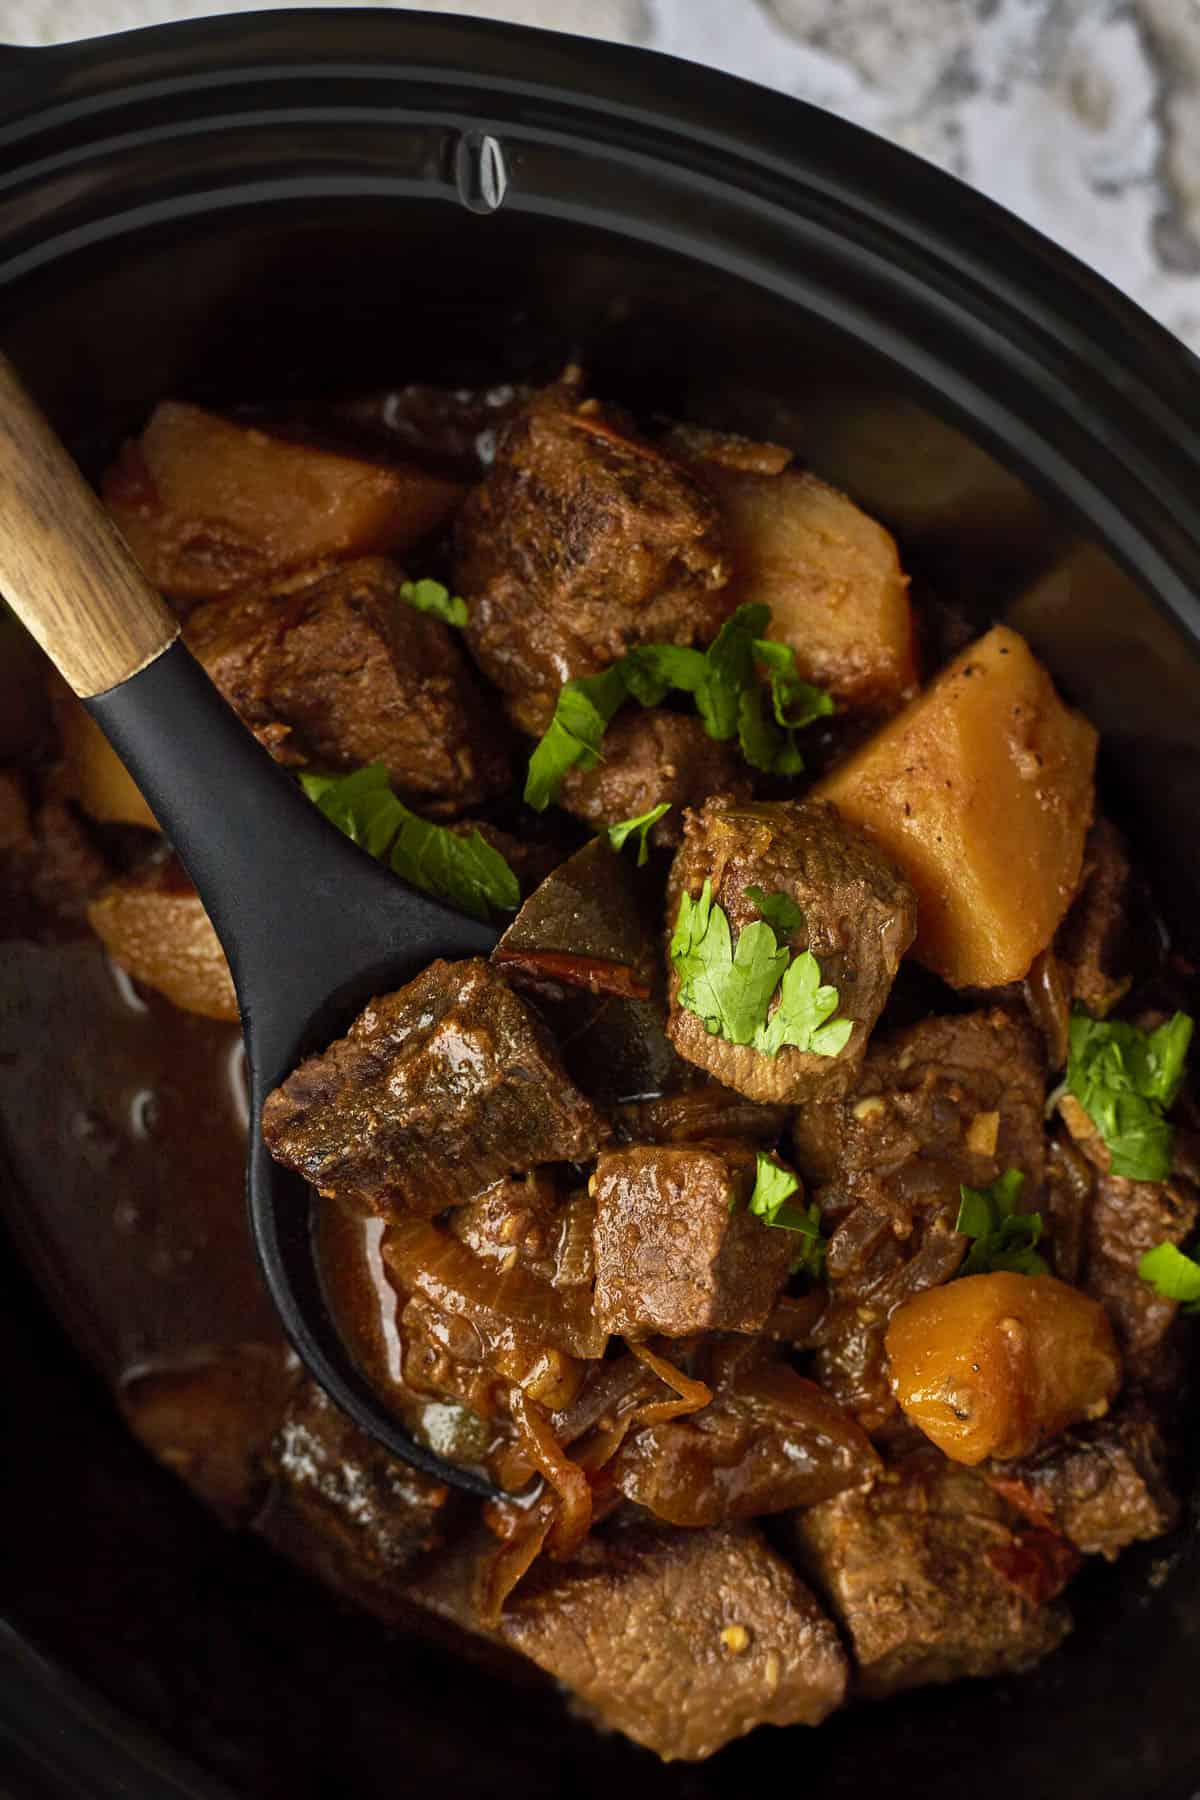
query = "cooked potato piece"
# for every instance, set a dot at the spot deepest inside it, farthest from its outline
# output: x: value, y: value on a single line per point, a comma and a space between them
x: 993, y: 1365
x: 92, y: 772
x: 209, y: 505
x: 831, y: 577
x: 153, y: 924
x: 981, y: 790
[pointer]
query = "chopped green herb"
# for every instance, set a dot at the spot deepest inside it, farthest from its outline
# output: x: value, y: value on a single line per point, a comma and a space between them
x: 461, y: 868
x: 1125, y: 1080
x: 1173, y: 1274
x: 804, y: 1016
x: 1004, y: 1238
x: 770, y: 1201
x: 731, y: 987
x: 618, y: 835
x: 778, y: 909
x: 432, y: 597
x: 582, y: 715
x: 724, y: 682
x: 730, y: 990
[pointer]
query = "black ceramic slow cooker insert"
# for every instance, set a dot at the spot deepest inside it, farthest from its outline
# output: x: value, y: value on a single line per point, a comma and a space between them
x: 294, y: 202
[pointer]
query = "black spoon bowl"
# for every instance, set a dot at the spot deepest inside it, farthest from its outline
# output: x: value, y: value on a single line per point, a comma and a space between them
x: 311, y: 925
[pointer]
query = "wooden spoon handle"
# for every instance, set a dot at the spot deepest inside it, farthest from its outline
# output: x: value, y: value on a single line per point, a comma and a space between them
x: 65, y: 569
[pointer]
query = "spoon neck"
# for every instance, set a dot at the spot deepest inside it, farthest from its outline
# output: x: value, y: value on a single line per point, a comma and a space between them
x: 309, y: 923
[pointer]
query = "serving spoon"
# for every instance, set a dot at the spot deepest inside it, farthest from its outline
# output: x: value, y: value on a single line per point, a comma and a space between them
x: 311, y: 925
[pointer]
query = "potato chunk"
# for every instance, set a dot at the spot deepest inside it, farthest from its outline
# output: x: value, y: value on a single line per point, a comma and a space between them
x: 993, y: 1365
x: 831, y: 576
x: 982, y: 791
x: 209, y: 505
x: 154, y: 925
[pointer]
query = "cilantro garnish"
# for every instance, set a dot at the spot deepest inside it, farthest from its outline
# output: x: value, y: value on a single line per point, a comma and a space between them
x: 432, y: 597
x: 1173, y: 1274
x: 581, y: 717
x: 1125, y: 1080
x: 724, y: 682
x: 619, y: 834
x: 463, y: 869
x: 1004, y: 1238
x: 770, y: 1201
x: 731, y: 987
x: 778, y: 909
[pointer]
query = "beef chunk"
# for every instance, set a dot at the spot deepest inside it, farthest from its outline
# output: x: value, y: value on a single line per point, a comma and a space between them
x: 48, y: 861
x: 649, y: 758
x: 1127, y: 1218
x: 1091, y: 941
x: 703, y: 1110
x: 917, y: 1573
x: 209, y: 504
x: 676, y: 1250
x: 212, y: 1418
x: 858, y: 918
x: 152, y: 923
x: 516, y: 1222
x: 342, y: 1507
x: 344, y: 672
x: 946, y: 1101
x: 682, y: 1640
x: 582, y: 540
x: 435, y: 1092
x: 1103, y: 1486
x: 768, y: 1441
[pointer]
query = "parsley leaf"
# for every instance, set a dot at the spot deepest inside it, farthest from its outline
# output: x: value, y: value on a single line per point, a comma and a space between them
x: 774, y: 1186
x: 731, y: 988
x: 1173, y: 1274
x: 1004, y: 1238
x: 462, y: 868
x: 804, y: 1007
x: 432, y: 597
x: 1125, y: 1080
x: 778, y: 909
x: 724, y: 683
x: 619, y: 834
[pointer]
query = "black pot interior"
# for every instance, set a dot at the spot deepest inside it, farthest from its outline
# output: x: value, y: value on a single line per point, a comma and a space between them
x: 203, y: 1638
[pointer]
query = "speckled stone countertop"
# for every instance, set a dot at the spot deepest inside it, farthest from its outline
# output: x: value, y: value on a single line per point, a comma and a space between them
x: 1083, y: 116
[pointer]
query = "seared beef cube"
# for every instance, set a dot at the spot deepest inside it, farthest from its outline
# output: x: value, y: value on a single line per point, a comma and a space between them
x: 703, y: 1110
x: 947, y: 1101
x: 1091, y: 941
x: 516, y: 1222
x: 356, y: 676
x: 1103, y: 1486
x: 436, y: 1091
x: 211, y: 1419
x: 582, y: 541
x: 676, y: 1249
x: 153, y: 924
x: 858, y: 917
x: 1127, y: 1218
x: 683, y: 1640
x: 47, y: 859
x: 209, y: 504
x: 346, y: 1510
x: 768, y: 1441
x: 649, y: 758
x: 915, y: 1573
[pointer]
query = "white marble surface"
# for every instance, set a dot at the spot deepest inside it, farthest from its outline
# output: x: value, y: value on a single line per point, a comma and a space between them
x: 1083, y: 116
